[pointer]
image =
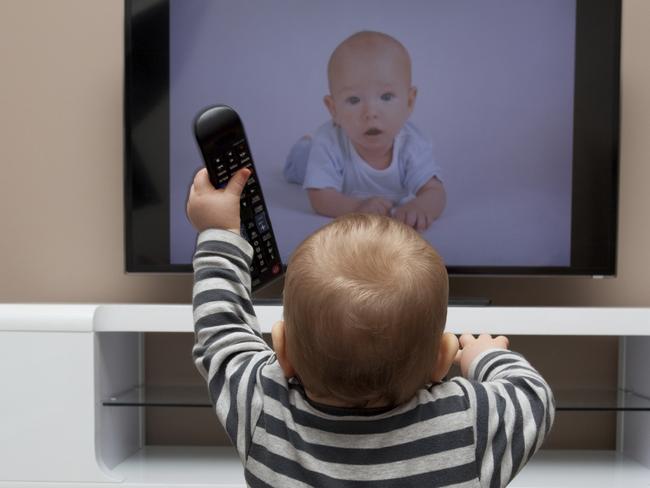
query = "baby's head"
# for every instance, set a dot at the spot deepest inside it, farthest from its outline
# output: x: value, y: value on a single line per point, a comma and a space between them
x: 371, y: 96
x: 365, y: 304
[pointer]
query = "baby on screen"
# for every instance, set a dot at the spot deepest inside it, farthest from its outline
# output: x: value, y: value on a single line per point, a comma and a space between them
x: 369, y: 158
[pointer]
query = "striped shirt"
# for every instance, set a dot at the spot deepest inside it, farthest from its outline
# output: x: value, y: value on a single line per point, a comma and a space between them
x: 467, y: 432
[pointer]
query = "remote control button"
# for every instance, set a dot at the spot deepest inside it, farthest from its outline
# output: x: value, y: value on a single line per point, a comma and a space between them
x: 262, y: 224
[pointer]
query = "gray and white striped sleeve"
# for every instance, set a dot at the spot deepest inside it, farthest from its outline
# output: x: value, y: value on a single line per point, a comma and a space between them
x: 229, y: 349
x: 514, y: 409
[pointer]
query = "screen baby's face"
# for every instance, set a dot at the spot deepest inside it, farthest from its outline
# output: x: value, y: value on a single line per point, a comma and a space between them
x: 371, y: 96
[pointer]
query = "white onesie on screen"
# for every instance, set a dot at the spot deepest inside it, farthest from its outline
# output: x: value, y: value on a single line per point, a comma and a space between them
x: 334, y: 163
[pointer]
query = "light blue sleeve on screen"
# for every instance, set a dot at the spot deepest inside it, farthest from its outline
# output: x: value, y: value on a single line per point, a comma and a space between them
x: 418, y: 163
x: 295, y: 166
x: 325, y: 163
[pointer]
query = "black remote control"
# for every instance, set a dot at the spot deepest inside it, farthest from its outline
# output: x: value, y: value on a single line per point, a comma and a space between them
x: 220, y: 134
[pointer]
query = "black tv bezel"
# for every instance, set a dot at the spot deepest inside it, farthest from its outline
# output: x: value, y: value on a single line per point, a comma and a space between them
x: 595, y: 157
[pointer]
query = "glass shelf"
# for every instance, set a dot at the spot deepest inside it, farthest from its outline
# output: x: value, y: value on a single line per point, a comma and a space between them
x: 600, y: 400
x: 161, y: 396
x: 197, y: 396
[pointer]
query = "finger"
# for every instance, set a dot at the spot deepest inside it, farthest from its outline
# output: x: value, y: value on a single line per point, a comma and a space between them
x: 458, y: 356
x: 411, y: 218
x: 237, y: 182
x: 387, y: 204
x: 466, y: 339
x: 421, y: 222
x: 376, y: 209
x: 503, y: 341
x: 378, y: 205
x: 191, y: 194
x: 201, y: 181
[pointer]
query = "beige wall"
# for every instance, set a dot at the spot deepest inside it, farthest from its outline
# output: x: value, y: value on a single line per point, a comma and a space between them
x: 61, y: 215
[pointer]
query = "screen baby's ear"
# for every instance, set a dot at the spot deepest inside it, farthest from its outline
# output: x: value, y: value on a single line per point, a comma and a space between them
x: 413, y: 93
x: 330, y: 105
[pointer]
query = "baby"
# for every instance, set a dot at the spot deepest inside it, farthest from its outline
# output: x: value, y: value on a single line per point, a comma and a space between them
x: 369, y: 158
x: 353, y: 394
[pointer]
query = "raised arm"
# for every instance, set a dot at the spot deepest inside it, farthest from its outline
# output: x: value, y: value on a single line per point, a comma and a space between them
x: 229, y: 349
x: 514, y: 408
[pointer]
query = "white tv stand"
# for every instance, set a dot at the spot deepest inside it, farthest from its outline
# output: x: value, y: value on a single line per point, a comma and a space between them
x: 60, y: 364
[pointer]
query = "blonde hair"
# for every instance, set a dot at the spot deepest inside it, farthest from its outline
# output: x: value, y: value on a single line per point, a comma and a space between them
x: 365, y: 304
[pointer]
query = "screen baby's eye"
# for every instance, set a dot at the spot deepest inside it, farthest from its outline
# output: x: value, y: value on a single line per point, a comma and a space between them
x: 352, y: 100
x: 387, y: 97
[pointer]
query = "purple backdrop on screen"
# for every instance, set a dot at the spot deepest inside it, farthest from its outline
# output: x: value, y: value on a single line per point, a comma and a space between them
x: 495, y: 95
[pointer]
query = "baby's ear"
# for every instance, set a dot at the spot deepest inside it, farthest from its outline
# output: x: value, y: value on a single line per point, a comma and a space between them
x: 331, y: 107
x: 279, y: 346
x: 446, y: 354
x: 413, y: 93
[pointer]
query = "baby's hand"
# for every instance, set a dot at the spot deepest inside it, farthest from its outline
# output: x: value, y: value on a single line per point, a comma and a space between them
x: 415, y: 214
x: 375, y: 205
x: 209, y: 208
x: 471, y: 347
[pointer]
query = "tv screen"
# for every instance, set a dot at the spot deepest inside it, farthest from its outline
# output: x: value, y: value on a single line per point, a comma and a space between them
x: 516, y: 101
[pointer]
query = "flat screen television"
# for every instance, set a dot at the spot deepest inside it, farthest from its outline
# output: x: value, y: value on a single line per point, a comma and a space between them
x: 520, y: 99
